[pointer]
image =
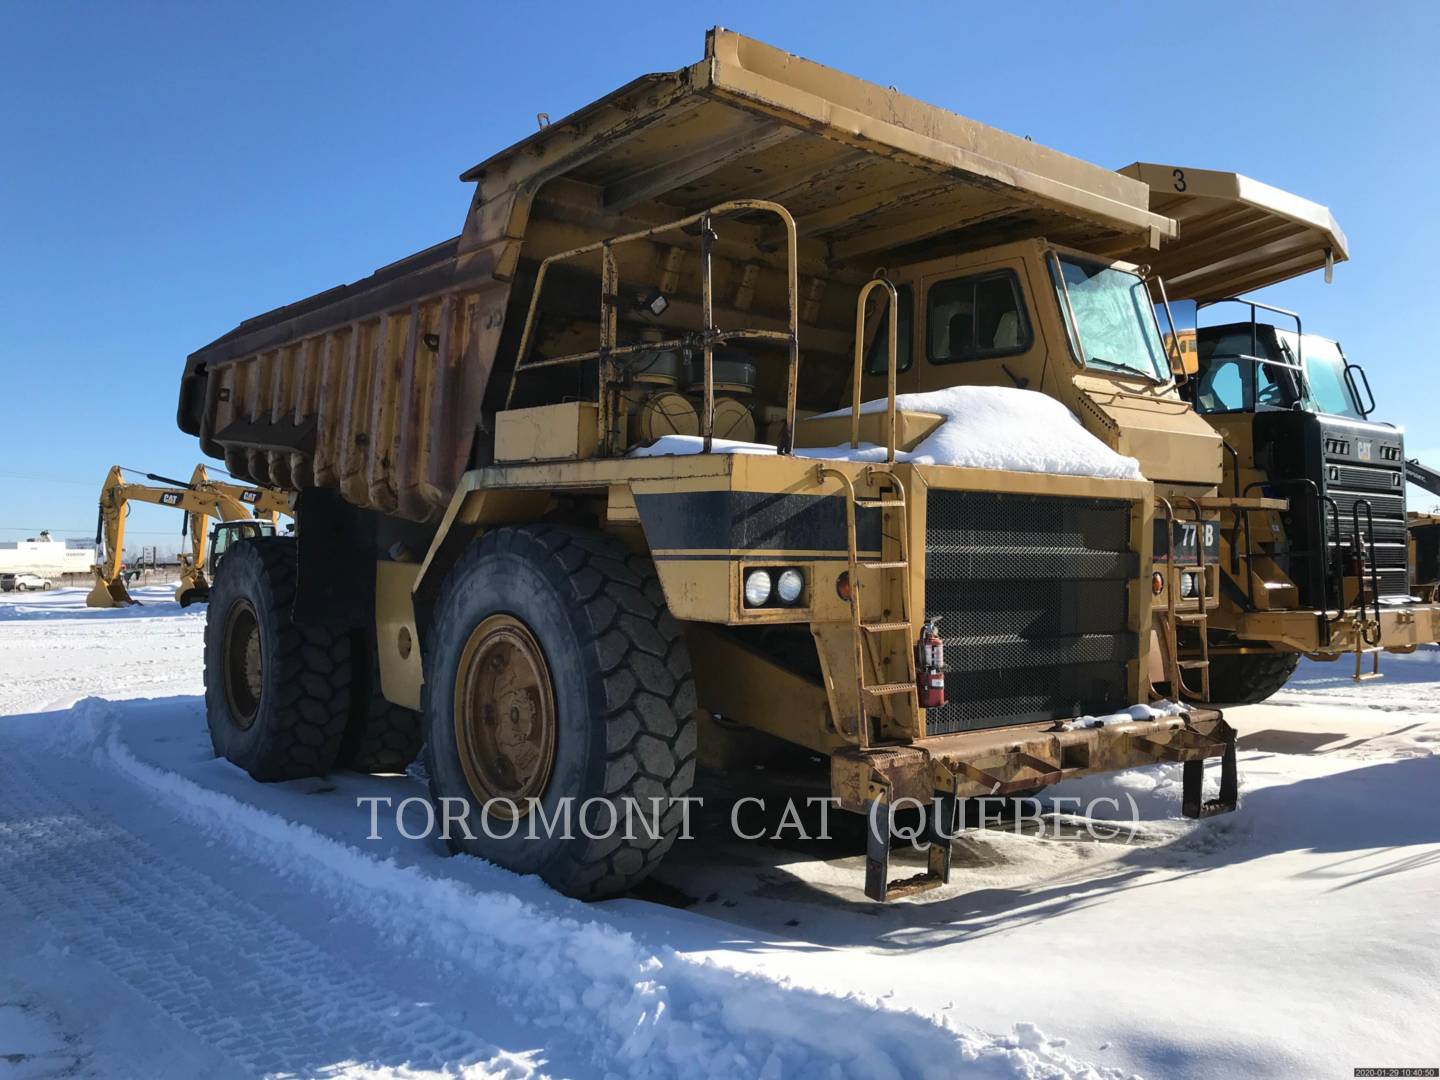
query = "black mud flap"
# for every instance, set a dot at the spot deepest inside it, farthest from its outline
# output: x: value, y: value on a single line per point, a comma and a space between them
x: 335, y: 579
x: 1193, y: 803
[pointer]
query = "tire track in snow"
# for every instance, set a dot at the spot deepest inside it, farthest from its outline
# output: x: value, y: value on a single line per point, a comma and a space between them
x: 230, y: 974
x: 635, y: 1008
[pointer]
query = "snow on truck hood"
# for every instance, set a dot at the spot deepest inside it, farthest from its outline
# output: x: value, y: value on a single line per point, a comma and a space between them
x: 985, y: 427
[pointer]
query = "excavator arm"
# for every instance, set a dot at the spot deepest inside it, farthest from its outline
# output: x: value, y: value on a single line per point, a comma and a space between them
x: 1422, y: 476
x: 115, y: 498
x: 265, y: 503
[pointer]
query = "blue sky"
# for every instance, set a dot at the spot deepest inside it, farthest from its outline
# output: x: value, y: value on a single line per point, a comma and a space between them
x: 170, y: 169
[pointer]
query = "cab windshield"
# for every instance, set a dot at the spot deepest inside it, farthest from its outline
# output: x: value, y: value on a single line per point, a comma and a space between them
x: 1327, y: 390
x: 1230, y: 381
x: 1110, y: 318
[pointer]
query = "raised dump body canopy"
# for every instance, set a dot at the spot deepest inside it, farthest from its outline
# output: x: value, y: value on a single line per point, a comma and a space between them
x: 384, y: 388
x: 1236, y: 234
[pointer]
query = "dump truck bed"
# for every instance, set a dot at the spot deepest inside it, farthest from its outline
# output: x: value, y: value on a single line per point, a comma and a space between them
x: 382, y: 388
x: 1236, y: 234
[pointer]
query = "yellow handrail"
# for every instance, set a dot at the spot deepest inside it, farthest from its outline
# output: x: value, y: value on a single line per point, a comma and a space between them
x: 894, y: 337
x: 710, y: 335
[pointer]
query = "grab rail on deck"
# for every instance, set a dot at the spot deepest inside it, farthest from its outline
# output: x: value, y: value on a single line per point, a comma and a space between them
x: 706, y: 338
x: 894, y: 337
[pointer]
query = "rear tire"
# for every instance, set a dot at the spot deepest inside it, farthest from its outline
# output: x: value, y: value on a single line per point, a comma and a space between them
x: 381, y: 737
x: 574, y: 683
x: 1249, y: 678
x: 277, y: 692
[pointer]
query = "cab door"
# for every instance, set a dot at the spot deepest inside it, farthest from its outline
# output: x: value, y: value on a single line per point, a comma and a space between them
x: 978, y: 327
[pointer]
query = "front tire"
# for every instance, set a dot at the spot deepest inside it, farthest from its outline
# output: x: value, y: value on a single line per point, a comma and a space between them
x: 1249, y: 678
x: 277, y: 692
x: 554, y: 673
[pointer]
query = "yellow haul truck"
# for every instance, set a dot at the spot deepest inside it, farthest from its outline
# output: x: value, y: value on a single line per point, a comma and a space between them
x: 693, y: 258
x: 1324, y: 570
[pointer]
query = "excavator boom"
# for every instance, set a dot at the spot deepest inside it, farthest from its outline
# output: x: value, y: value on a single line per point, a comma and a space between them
x: 1422, y: 476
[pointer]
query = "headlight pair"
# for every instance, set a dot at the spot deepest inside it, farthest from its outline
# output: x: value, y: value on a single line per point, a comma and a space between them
x: 782, y: 587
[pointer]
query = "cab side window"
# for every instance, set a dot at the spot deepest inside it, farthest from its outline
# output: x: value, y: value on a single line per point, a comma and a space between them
x: 976, y: 318
x: 1221, y: 387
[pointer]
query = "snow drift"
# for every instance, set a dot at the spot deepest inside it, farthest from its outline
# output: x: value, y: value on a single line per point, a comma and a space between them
x: 985, y: 427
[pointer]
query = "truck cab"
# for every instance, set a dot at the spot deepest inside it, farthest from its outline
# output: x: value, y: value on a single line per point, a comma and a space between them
x: 1296, y: 410
x: 1080, y: 328
x: 1249, y: 367
x: 1073, y: 325
x: 226, y: 534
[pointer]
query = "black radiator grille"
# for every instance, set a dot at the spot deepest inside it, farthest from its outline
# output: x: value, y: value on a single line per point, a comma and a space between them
x: 1032, y: 596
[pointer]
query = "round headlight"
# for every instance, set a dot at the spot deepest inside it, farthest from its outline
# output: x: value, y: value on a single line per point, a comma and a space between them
x: 1187, y: 584
x: 789, y: 585
x: 757, y: 588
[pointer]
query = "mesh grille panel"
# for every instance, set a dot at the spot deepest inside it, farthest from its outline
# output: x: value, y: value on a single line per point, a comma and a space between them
x: 1387, y: 507
x: 1361, y: 478
x: 1031, y: 593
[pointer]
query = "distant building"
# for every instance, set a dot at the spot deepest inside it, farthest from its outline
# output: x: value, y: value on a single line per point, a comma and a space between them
x: 46, y: 556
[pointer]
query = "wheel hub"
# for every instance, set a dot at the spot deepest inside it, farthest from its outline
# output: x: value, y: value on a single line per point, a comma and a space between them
x: 241, y: 663
x: 504, y: 714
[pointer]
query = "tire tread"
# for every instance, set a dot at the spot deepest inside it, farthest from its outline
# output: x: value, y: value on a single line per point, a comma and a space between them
x: 309, y: 675
x: 645, y: 681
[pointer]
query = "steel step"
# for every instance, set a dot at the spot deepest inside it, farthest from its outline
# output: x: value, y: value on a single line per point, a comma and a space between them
x: 887, y: 689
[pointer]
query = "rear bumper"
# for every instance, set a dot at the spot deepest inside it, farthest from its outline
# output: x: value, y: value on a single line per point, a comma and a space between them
x: 1401, y: 628
x: 1002, y: 761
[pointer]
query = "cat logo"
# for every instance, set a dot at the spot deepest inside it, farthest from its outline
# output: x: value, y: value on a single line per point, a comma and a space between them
x: 1364, y: 448
x: 170, y: 498
x: 250, y: 496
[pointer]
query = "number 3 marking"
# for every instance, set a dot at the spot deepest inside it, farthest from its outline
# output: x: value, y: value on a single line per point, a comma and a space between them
x: 1179, y: 175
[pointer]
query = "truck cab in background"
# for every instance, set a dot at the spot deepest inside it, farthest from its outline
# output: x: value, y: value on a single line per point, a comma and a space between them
x: 1301, y: 408
x: 1294, y: 412
x: 1313, y: 541
x: 225, y: 534
x: 1280, y: 525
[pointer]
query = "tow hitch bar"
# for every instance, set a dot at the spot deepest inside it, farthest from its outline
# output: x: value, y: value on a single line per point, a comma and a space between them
x: 1192, y: 801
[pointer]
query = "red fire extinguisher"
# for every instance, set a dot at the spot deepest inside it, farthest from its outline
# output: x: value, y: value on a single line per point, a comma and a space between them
x: 930, y: 666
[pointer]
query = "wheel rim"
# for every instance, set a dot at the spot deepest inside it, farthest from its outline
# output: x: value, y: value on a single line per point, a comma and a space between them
x: 504, y: 715
x: 242, y: 663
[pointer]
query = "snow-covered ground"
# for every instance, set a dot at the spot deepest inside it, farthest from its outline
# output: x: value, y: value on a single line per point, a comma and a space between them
x: 161, y: 915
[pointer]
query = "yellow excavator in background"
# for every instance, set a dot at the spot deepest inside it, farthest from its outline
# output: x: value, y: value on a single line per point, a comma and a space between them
x: 200, y: 499
x: 265, y: 503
